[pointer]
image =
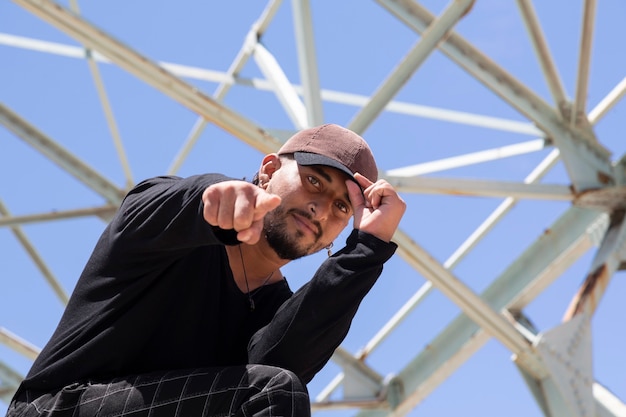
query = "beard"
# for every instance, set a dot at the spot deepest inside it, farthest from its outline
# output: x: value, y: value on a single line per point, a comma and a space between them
x: 288, y: 246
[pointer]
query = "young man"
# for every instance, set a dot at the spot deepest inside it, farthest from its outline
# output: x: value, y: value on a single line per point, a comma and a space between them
x: 182, y: 309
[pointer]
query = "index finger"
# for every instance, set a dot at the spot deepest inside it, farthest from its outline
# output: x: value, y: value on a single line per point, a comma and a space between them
x: 265, y: 203
x: 357, y: 199
x: 363, y: 180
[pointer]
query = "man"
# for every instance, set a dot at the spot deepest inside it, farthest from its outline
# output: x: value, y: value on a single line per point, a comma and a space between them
x: 182, y: 309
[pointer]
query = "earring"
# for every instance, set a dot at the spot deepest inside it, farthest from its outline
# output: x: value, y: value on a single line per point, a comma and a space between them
x: 328, y: 249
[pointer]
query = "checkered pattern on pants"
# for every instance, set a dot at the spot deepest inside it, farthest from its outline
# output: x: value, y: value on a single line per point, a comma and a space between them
x: 245, y: 391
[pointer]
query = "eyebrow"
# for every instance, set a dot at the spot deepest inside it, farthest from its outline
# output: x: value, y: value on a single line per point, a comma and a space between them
x: 322, y: 172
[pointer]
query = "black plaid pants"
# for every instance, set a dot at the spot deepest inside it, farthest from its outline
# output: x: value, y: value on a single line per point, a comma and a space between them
x: 243, y: 391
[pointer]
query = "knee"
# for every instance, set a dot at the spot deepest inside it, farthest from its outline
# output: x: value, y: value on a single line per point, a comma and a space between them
x: 272, y: 378
x: 281, y: 392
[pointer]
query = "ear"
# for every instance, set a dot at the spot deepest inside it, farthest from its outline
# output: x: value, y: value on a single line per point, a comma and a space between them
x: 270, y: 164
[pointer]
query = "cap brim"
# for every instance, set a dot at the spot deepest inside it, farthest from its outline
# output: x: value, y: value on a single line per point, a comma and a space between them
x: 307, y: 158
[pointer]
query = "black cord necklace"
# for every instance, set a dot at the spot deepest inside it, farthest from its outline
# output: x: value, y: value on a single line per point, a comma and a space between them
x: 245, y: 276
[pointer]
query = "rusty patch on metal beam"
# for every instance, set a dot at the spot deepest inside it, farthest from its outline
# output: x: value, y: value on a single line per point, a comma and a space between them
x: 605, y: 178
x: 588, y: 297
x: 607, y: 199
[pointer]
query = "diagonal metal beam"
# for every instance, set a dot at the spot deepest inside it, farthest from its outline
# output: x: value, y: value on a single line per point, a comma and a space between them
x: 469, y: 159
x: 9, y: 381
x: 435, y: 32
x: 543, y: 53
x: 156, y: 76
x: 34, y: 255
x: 471, y: 241
x: 256, y: 32
x: 587, y: 162
x: 418, y: 18
x: 18, y: 344
x: 107, y: 108
x: 59, y: 155
x: 110, y: 118
x: 607, y: 403
x: 283, y: 89
x: 462, y: 251
x: 577, y: 231
x: 474, y: 307
x: 608, y: 259
x: 608, y: 102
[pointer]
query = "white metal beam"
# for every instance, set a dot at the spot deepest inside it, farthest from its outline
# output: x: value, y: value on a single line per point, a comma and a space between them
x: 18, y: 344
x: 480, y: 188
x: 107, y: 108
x: 543, y: 53
x: 584, y: 62
x: 256, y: 31
x: 104, y: 212
x: 607, y: 260
x: 153, y: 74
x: 608, y: 102
x: 59, y: 155
x: 469, y: 159
x: 307, y: 61
x: 500, y: 188
x: 110, y: 118
x: 543, y: 262
x: 464, y: 249
x: 608, y: 404
x: 470, y: 303
x: 9, y: 380
x: 283, y: 89
x: 435, y: 32
x: 586, y: 161
x: 228, y: 79
x: 34, y: 256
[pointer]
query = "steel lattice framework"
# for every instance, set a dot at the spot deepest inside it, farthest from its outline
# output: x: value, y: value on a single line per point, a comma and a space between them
x: 575, y: 190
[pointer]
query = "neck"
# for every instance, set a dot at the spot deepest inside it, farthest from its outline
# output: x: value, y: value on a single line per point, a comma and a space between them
x: 254, y: 264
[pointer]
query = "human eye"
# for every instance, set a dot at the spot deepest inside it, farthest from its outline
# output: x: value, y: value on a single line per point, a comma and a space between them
x: 313, y: 181
x: 343, y: 207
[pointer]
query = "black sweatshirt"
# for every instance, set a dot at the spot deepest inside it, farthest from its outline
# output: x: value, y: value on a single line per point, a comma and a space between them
x: 158, y: 294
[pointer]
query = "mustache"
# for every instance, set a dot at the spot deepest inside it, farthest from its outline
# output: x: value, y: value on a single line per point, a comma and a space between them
x: 310, y: 218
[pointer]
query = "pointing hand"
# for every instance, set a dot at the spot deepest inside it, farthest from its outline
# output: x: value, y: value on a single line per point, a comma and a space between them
x: 238, y: 205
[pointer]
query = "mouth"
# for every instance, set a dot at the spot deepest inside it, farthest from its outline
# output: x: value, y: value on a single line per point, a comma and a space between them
x: 306, y: 225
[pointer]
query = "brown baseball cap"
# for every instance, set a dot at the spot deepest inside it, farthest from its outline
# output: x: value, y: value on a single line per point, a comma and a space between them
x: 334, y: 146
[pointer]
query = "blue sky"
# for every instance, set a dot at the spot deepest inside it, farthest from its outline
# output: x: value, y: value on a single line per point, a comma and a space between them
x: 358, y: 44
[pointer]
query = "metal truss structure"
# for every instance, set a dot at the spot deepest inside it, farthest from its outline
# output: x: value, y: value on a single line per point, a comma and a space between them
x: 586, y: 194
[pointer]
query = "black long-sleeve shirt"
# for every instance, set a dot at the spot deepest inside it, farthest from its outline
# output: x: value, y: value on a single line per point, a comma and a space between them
x: 158, y: 294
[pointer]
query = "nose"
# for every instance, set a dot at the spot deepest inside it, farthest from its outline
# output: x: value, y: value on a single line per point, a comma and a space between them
x: 320, y: 208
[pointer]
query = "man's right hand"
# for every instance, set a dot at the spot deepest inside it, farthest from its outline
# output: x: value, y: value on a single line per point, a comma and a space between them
x: 238, y: 205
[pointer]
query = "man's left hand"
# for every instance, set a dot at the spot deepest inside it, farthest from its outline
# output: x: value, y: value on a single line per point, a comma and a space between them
x: 378, y: 209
